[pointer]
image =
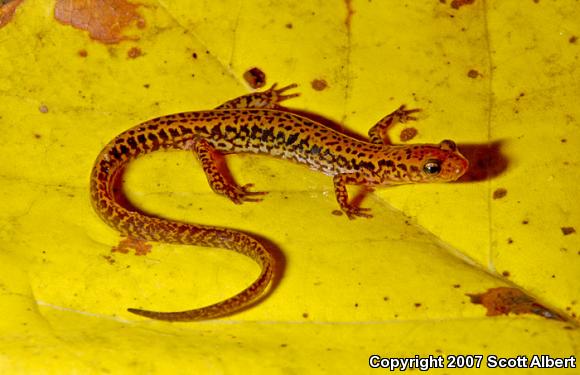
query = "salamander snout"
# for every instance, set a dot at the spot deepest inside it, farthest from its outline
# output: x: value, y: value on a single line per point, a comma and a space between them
x: 453, y: 164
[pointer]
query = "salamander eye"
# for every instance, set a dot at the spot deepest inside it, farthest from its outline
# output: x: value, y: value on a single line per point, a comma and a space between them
x: 432, y: 167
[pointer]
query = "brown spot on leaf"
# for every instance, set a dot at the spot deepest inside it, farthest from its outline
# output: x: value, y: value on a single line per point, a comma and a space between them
x: 7, y: 9
x: 407, y: 134
x: 105, y: 20
x: 499, y: 193
x: 134, y: 52
x: 319, y: 84
x: 255, y: 77
x: 504, y: 300
x: 83, y: 53
x: 127, y: 244
x: 472, y: 73
x: 456, y: 4
x: 568, y: 230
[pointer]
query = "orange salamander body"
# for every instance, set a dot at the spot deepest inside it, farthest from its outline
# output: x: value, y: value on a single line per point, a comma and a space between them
x: 256, y: 123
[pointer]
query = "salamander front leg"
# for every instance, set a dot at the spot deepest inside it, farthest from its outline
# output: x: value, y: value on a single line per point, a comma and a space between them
x: 340, y: 182
x: 269, y: 99
x: 207, y: 156
x: 378, y: 133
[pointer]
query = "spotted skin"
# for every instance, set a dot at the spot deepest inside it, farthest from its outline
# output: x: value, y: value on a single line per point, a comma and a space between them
x: 256, y: 123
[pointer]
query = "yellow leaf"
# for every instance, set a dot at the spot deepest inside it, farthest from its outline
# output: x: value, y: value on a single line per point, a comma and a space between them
x: 499, y: 78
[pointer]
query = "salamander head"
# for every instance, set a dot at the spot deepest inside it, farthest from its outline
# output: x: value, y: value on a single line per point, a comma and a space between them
x: 441, y: 162
x: 427, y: 163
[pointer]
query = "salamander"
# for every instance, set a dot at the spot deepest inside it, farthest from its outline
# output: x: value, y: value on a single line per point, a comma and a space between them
x: 257, y: 123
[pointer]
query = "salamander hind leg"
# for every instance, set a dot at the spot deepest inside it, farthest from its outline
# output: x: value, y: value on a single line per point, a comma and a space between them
x: 268, y: 99
x: 221, y: 184
x: 378, y: 133
x: 340, y: 182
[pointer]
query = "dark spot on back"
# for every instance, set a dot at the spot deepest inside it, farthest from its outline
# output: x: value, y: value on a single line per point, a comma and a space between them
x: 185, y: 130
x: 367, y: 164
x: 291, y: 139
x: 132, y: 143
x: 402, y: 166
x: 163, y: 135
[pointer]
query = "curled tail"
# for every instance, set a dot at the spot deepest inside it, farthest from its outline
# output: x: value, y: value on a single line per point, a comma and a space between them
x: 137, y: 225
x: 231, y: 240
